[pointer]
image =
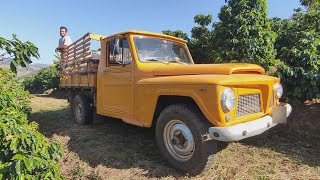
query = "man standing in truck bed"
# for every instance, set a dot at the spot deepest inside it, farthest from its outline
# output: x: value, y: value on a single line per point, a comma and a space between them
x: 65, y: 40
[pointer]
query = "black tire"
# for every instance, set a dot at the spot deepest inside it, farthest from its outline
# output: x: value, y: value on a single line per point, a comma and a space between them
x: 203, y: 151
x: 83, y: 113
x: 71, y: 102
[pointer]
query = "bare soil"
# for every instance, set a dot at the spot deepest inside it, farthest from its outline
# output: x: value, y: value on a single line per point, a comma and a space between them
x: 111, y: 149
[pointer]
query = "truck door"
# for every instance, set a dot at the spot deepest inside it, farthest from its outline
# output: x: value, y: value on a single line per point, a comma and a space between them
x: 118, y: 80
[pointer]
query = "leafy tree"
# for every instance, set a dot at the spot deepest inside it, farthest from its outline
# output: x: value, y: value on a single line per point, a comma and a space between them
x: 45, y: 79
x: 22, y: 52
x: 200, y: 45
x: 311, y: 4
x: 177, y: 33
x: 244, y: 33
x: 202, y: 42
x: 298, y: 47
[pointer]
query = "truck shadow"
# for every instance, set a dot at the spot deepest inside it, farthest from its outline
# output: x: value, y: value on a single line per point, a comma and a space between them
x: 111, y: 143
x: 302, y: 146
x: 56, y: 94
x: 108, y: 142
x: 299, y: 138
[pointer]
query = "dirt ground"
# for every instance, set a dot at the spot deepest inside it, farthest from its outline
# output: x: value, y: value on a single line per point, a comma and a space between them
x: 111, y: 149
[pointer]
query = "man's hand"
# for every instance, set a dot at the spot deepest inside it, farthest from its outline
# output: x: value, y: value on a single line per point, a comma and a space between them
x: 61, y: 48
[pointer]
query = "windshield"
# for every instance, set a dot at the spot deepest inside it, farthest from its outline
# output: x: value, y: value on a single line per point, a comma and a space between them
x: 154, y: 49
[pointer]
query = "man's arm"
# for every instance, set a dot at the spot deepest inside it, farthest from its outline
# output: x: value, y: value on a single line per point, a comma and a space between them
x: 67, y: 42
x: 61, y: 48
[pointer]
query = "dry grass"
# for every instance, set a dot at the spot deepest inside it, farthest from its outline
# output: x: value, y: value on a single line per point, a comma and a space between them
x: 110, y: 149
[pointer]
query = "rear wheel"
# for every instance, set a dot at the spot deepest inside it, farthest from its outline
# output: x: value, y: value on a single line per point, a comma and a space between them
x: 71, y: 102
x: 83, y: 113
x: 179, y: 133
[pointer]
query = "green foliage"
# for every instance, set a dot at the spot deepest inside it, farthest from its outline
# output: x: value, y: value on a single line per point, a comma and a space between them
x: 203, y: 20
x: 288, y: 48
x: 47, y: 78
x: 24, y: 152
x: 244, y: 34
x: 12, y: 94
x: 177, y: 33
x: 298, y: 47
x: 22, y: 52
x: 311, y: 4
x: 200, y: 44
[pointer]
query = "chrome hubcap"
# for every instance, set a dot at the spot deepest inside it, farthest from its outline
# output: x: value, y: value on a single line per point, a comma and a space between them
x: 179, y: 140
x: 78, y: 111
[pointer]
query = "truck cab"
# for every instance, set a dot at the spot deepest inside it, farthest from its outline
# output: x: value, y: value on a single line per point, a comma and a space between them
x: 150, y: 80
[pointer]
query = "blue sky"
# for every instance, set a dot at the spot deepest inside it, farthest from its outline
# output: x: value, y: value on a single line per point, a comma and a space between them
x: 39, y: 20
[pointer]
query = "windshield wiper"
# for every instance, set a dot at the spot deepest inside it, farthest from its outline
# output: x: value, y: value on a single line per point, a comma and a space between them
x: 176, y: 61
x: 157, y: 60
x: 152, y: 60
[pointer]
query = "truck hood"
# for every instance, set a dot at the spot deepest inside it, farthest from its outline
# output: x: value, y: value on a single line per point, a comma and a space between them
x: 198, y: 69
x: 242, y: 80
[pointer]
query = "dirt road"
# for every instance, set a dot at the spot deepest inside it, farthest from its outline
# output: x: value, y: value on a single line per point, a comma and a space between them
x: 111, y: 149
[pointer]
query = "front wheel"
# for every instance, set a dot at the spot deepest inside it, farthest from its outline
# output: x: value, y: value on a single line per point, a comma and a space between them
x: 179, y: 133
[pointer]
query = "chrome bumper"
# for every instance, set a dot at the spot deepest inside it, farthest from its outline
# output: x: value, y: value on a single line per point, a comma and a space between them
x: 245, y: 130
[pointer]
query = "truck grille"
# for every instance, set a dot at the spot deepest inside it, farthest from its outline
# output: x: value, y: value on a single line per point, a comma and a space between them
x: 248, y: 104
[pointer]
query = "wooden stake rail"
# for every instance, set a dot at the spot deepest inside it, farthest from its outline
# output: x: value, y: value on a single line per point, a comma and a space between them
x: 78, y: 64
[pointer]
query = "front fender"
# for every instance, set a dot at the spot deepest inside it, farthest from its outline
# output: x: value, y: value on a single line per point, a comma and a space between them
x: 205, y: 96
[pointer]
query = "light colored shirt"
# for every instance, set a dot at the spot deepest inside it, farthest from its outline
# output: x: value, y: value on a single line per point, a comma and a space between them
x: 65, y: 41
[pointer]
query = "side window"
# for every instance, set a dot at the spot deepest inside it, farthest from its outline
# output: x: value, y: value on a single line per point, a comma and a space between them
x: 119, y: 51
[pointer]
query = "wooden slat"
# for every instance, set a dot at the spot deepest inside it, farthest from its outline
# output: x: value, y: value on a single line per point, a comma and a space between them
x: 83, y: 52
x: 83, y: 47
x: 70, y: 50
x: 76, y: 62
x: 83, y: 37
x: 84, y: 56
x: 81, y: 44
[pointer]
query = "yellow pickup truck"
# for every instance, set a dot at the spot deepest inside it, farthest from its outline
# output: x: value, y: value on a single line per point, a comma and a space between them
x: 150, y: 80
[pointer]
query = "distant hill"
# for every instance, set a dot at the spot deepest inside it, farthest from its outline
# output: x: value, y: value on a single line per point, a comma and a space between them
x: 39, y: 65
x: 33, y: 68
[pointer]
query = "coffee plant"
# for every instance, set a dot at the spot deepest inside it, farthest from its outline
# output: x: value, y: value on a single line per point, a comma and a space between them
x: 24, y: 152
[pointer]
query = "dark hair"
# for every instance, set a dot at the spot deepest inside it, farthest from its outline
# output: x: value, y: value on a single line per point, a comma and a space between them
x: 62, y: 27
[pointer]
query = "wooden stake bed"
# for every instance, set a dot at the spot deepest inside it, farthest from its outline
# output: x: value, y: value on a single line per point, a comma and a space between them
x: 79, y: 64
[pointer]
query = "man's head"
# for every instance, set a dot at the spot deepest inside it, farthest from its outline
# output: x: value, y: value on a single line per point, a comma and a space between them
x: 63, y: 31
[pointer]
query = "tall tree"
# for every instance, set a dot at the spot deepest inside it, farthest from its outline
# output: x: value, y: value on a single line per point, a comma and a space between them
x: 177, y: 33
x: 244, y: 33
x: 312, y: 5
x: 20, y: 52
x: 200, y: 44
x: 298, y: 47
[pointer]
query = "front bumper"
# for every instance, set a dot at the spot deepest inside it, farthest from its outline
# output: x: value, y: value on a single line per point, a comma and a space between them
x: 245, y: 130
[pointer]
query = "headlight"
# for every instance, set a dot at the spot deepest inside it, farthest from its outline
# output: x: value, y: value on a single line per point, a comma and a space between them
x: 278, y: 90
x: 228, y: 100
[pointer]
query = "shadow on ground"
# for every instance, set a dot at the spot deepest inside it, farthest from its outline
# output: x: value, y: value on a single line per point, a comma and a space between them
x: 108, y: 142
x: 114, y: 144
x: 56, y: 94
x: 299, y: 138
